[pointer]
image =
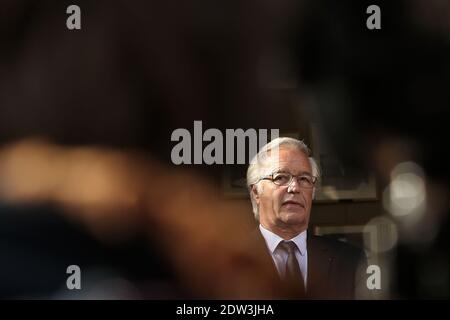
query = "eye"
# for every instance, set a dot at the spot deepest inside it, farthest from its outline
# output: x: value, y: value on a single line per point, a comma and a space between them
x: 281, y: 178
x: 306, y: 180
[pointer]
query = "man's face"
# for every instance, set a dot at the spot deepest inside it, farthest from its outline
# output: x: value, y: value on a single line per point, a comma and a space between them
x: 285, y: 209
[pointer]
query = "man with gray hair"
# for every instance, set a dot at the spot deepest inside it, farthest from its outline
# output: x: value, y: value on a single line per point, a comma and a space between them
x: 281, y: 179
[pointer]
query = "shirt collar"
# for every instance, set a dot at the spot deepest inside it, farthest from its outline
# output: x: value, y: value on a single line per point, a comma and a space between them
x: 273, y: 240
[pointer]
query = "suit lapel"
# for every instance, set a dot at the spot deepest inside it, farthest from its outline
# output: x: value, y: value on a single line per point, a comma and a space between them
x: 320, y: 261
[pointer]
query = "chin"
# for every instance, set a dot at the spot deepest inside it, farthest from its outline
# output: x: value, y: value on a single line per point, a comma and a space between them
x: 291, y: 217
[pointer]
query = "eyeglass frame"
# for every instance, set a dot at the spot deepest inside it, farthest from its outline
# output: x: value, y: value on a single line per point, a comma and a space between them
x: 270, y: 177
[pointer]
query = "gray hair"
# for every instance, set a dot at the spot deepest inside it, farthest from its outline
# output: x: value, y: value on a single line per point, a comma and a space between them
x: 254, y: 169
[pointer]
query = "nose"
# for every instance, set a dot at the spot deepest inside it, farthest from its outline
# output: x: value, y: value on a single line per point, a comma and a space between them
x: 294, y: 186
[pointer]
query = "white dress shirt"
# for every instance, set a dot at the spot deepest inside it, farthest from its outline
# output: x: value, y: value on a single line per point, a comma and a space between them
x: 280, y: 256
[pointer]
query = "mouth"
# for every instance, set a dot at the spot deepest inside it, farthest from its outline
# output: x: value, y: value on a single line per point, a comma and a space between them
x: 290, y: 203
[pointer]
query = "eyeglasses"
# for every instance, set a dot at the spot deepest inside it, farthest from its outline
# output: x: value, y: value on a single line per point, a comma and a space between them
x: 284, y: 179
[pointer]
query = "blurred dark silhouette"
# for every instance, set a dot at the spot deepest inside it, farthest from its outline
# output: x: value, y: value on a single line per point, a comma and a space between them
x: 85, y: 124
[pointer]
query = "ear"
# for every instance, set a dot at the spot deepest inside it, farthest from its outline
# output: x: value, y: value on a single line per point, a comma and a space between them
x: 254, y: 192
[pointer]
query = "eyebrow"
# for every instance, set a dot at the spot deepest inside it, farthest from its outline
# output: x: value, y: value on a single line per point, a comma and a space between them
x: 286, y: 171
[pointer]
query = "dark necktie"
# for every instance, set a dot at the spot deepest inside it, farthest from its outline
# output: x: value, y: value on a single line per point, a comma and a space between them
x: 293, y: 274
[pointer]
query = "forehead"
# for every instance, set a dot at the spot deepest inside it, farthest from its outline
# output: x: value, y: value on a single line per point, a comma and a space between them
x: 289, y: 159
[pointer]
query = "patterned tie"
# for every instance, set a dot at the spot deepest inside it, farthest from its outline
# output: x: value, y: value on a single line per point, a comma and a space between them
x: 293, y: 275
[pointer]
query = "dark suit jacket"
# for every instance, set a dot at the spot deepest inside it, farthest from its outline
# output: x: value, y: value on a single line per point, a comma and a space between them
x: 336, y: 270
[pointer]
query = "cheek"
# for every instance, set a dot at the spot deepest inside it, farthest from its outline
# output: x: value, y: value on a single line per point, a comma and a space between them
x: 278, y: 198
x: 271, y: 198
x: 308, y: 199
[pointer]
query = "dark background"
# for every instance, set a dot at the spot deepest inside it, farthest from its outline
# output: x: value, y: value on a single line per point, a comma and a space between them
x: 138, y: 70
